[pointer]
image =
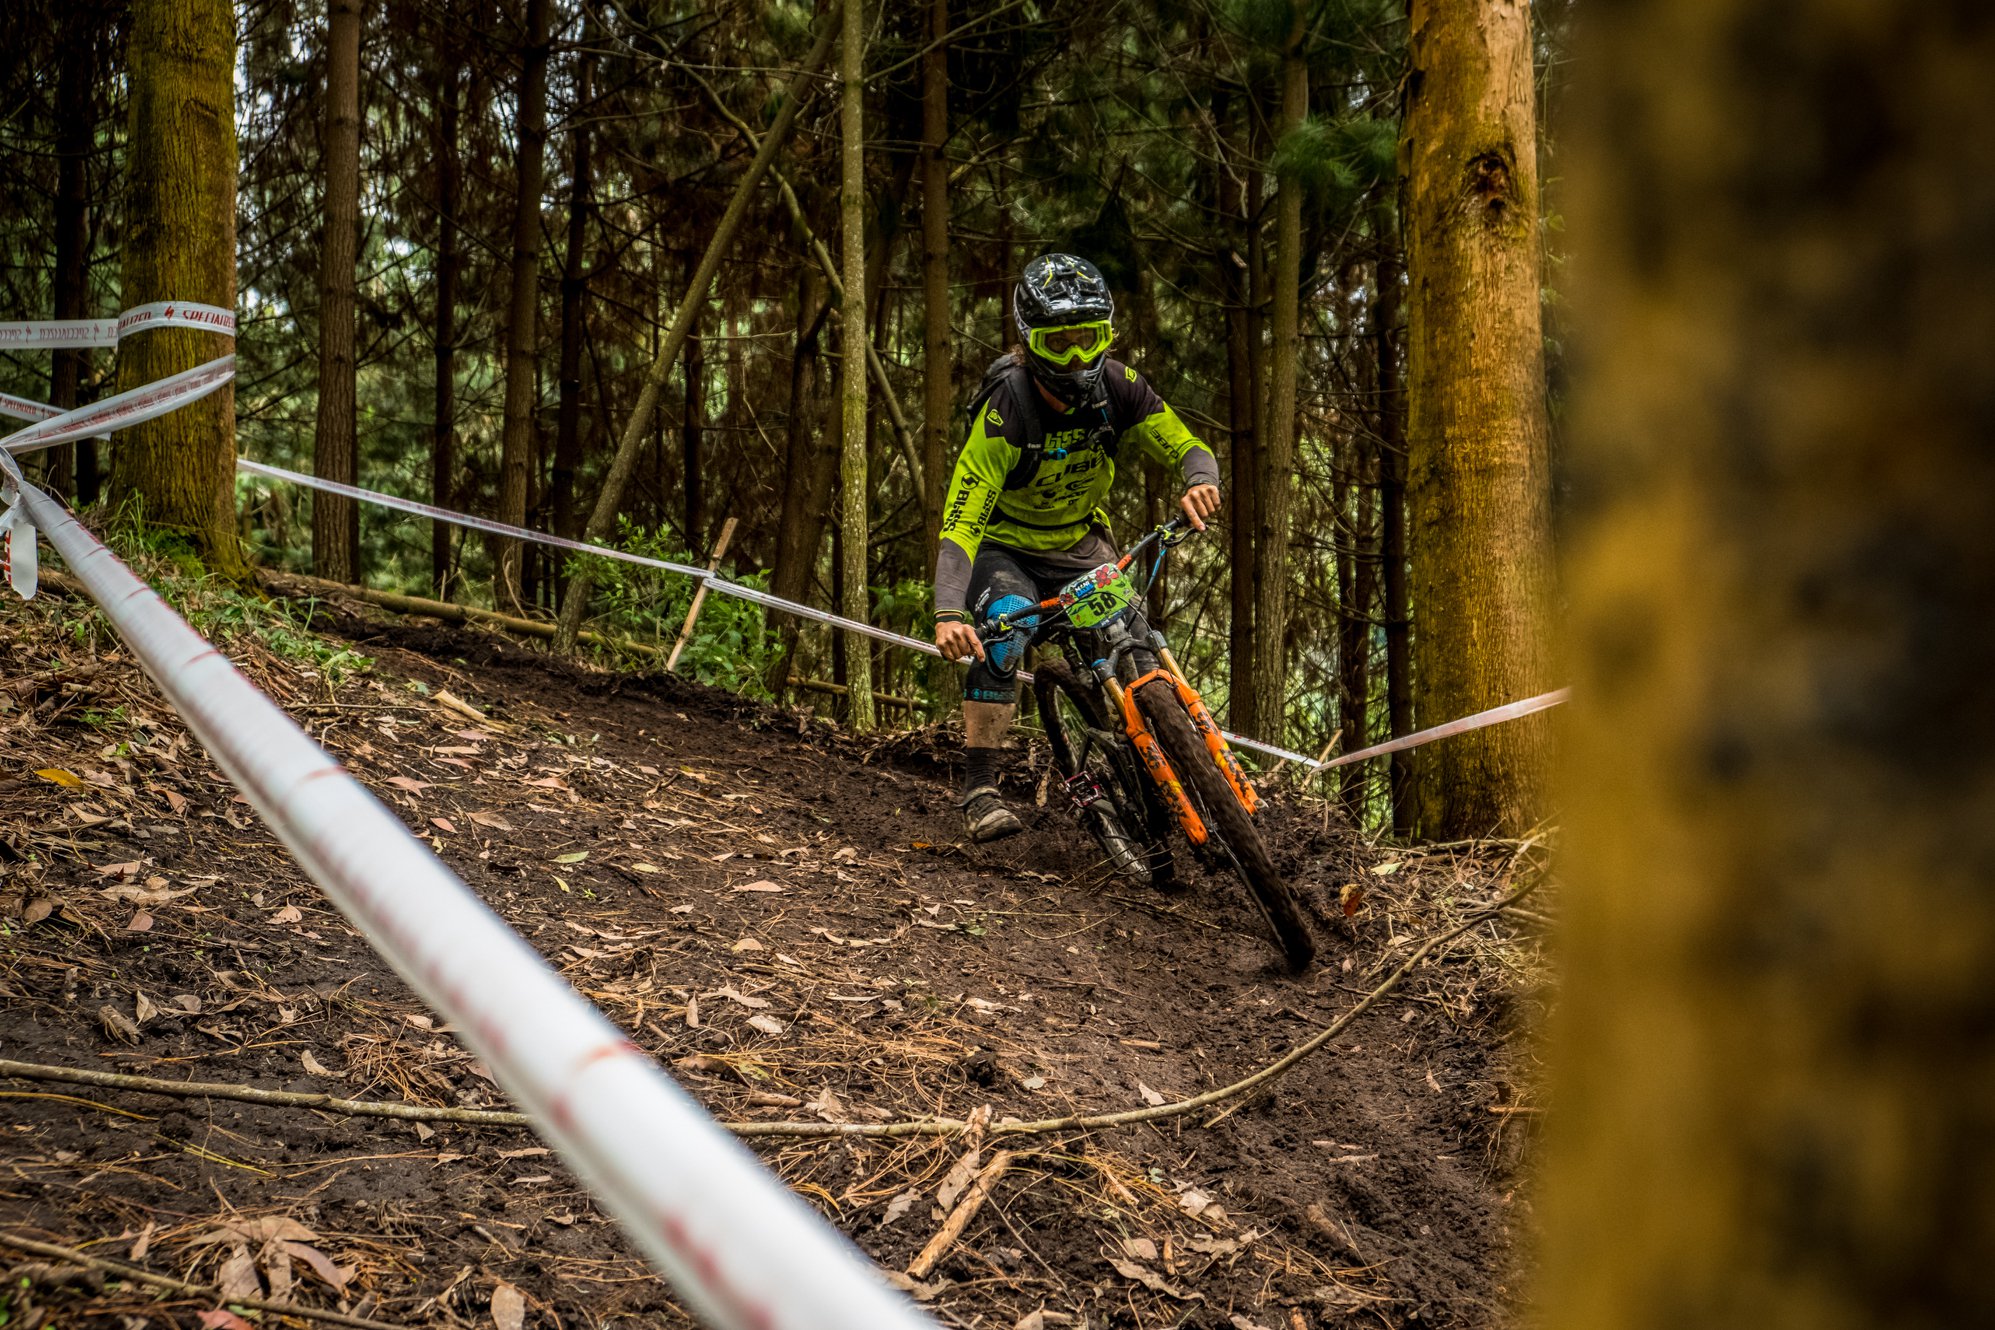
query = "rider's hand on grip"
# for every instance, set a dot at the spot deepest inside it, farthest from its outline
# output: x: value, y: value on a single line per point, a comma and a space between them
x: 957, y: 641
x: 1199, y: 503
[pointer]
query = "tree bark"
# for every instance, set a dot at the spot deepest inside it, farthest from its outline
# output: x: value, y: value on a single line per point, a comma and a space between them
x: 449, y: 262
x: 180, y: 244
x: 574, y: 297
x: 63, y: 469
x: 1388, y: 316
x: 808, y: 468
x: 1357, y: 596
x: 693, y: 443
x: 1277, y: 442
x: 602, y: 518
x: 1241, y: 455
x: 516, y: 439
x: 335, y: 455
x: 1772, y: 1063
x: 938, y: 368
x: 855, y: 491
x: 1476, y: 426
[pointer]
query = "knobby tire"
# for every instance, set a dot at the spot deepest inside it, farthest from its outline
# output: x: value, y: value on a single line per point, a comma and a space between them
x: 1226, y: 818
x: 1135, y: 804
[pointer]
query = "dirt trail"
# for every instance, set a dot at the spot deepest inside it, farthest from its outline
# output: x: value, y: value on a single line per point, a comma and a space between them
x: 786, y: 916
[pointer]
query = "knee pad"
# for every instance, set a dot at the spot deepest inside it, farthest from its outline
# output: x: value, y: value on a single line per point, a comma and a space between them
x: 1004, y: 654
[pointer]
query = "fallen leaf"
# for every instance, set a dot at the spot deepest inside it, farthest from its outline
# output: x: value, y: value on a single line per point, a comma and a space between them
x: 575, y: 858
x: 752, y: 1003
x: 290, y: 914
x: 767, y: 1024
x: 117, y: 1024
x: 1034, y: 1082
x: 1211, y: 1246
x: 144, y: 1243
x: 420, y: 1022
x: 140, y: 923
x: 312, y: 1066
x: 1349, y: 897
x: 68, y: 780
x: 1032, y: 1320
x: 188, y: 1003
x: 747, y: 944
x: 492, y: 820
x: 508, y: 1307
x: 1240, y: 1322
x: 143, y: 1010
x: 646, y: 868
x: 693, y: 1012
x: 1387, y: 870
x: 911, y: 1286
x: 1150, y: 1097
x: 899, y: 1206
x: 320, y: 1264
x: 174, y: 801
x: 1142, y: 1249
x: 38, y: 910
x: 119, y: 870
x: 1193, y: 1201
x: 525, y: 1152
x: 763, y: 884
x: 220, y: 1319
x: 444, y: 824
x: 410, y: 784
x: 238, y: 1277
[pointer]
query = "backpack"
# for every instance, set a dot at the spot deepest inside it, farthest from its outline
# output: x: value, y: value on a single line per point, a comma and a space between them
x: 1011, y: 368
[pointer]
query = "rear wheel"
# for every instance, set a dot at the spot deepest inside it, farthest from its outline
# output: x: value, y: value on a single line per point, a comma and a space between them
x: 1226, y: 818
x: 1113, y: 799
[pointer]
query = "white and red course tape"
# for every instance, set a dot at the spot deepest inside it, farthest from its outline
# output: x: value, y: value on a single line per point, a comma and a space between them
x: 743, y: 1251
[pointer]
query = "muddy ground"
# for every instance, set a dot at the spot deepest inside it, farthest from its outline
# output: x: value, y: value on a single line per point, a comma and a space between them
x: 789, y: 918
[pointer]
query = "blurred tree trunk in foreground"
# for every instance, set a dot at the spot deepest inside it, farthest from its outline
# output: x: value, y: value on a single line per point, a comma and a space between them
x: 1479, y: 480
x: 516, y: 448
x: 180, y: 244
x: 1775, y: 1068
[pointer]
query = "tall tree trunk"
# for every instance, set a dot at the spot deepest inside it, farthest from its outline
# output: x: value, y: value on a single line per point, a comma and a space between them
x: 693, y: 441
x: 574, y: 297
x: 938, y: 368
x: 852, y: 356
x: 1773, y: 1063
x: 808, y: 468
x: 449, y: 262
x: 602, y: 517
x: 75, y: 134
x: 335, y: 455
x: 1358, y: 608
x: 1476, y: 408
x: 1277, y: 442
x: 180, y: 244
x: 1388, y: 316
x: 516, y: 438
x: 1241, y: 390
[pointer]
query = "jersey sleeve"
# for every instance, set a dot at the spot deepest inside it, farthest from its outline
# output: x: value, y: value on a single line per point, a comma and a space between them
x: 987, y: 457
x: 1160, y: 434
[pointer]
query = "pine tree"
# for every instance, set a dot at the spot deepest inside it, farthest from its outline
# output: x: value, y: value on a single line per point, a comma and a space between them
x: 853, y: 489
x: 179, y: 244
x: 336, y: 520
x: 1479, y: 482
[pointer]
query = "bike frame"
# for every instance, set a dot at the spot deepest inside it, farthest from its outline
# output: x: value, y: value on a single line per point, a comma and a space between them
x: 1155, y: 764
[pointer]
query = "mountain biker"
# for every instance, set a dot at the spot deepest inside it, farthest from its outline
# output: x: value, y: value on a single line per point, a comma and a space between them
x: 1023, y: 514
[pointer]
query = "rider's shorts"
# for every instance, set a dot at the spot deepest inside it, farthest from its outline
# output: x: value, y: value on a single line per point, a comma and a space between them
x: 1005, y: 578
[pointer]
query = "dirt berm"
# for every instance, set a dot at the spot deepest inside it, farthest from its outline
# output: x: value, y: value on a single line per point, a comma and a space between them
x: 789, y: 919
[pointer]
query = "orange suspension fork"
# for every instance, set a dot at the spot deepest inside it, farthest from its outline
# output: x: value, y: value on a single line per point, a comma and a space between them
x: 1208, y: 729
x: 1154, y: 760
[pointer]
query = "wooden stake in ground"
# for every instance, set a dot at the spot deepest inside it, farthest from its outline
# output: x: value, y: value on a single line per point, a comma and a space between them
x: 700, y: 596
x: 575, y: 606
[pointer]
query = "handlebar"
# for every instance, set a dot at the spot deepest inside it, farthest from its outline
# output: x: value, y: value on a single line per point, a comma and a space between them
x: 1169, y: 534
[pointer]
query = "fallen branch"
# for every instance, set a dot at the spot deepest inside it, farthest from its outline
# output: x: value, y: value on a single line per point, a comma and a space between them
x: 960, y: 1217
x: 206, y: 1292
x: 788, y: 1130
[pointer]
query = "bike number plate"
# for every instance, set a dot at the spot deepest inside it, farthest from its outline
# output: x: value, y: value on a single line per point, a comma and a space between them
x: 1099, y: 596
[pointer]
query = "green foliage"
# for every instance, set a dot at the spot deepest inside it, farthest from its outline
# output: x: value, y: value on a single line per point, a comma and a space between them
x: 1338, y: 161
x: 222, y: 611
x: 731, y: 646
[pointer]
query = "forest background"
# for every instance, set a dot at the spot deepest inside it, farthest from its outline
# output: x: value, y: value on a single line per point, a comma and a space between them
x: 465, y: 227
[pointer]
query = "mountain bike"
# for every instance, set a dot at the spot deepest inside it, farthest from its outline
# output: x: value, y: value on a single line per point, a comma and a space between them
x: 1133, y: 743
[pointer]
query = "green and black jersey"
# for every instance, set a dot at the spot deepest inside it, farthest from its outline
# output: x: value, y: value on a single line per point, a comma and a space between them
x: 1060, y: 503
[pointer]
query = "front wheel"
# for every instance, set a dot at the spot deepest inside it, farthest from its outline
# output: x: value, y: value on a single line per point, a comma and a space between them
x: 1113, y: 798
x: 1226, y: 818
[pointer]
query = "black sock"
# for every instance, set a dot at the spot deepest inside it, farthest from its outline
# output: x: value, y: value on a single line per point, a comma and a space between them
x: 979, y: 767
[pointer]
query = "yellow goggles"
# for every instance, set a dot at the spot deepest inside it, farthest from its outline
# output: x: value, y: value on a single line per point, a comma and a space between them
x: 1082, y: 342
